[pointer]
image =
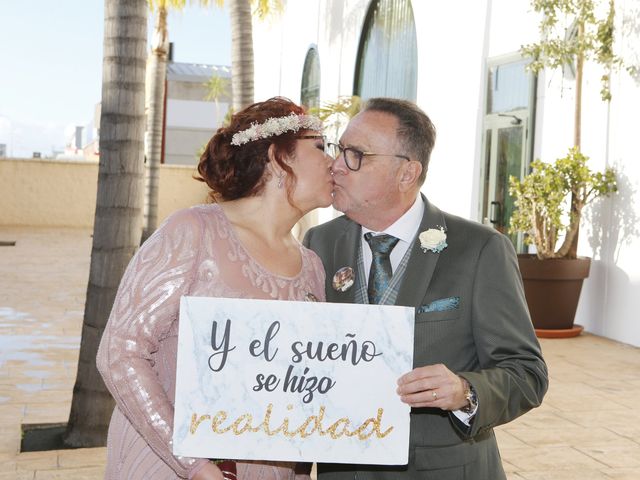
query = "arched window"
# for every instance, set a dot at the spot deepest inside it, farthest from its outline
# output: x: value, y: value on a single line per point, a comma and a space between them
x: 388, y: 53
x: 310, y: 88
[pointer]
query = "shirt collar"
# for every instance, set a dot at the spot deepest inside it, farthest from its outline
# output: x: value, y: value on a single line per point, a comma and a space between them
x: 407, y: 225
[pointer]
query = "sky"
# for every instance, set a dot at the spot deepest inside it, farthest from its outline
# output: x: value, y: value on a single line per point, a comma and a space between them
x: 51, y: 65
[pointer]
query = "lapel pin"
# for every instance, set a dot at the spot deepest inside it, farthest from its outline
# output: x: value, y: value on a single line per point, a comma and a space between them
x: 343, y: 279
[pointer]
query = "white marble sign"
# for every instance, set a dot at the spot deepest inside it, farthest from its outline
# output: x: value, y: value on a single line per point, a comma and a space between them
x: 292, y: 381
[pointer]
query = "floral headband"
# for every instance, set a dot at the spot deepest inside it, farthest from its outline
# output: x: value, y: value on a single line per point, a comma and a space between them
x: 276, y: 126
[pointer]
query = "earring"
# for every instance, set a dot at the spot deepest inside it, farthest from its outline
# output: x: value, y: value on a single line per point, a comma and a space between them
x: 281, y: 179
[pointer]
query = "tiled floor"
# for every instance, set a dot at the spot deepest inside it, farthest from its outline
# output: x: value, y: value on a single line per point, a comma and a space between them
x: 588, y: 427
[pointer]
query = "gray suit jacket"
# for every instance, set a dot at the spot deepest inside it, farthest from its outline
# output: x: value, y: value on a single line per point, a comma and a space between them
x: 480, y: 330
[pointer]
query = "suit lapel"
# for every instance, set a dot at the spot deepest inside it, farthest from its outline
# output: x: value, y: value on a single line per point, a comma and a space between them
x: 345, y: 252
x: 421, y: 264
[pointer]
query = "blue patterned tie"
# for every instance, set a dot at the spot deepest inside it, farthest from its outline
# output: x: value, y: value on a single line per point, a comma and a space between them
x: 380, y: 273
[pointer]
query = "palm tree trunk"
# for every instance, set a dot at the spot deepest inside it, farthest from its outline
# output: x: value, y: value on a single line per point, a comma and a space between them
x: 154, y: 132
x: 118, y: 216
x: 241, y: 53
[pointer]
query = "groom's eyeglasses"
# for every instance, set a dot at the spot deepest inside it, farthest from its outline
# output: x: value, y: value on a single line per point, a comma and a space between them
x: 353, y: 157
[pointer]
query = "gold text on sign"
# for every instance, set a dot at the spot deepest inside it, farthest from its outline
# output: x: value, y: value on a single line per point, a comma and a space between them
x: 313, y: 425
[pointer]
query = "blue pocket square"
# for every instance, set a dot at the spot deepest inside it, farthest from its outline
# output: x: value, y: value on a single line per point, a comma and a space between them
x: 442, y: 305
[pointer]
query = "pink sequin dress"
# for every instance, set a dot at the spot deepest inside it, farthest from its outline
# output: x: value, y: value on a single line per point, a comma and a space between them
x: 195, y: 252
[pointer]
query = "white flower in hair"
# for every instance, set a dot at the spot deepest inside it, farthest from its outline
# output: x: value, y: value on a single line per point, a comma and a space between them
x: 276, y: 126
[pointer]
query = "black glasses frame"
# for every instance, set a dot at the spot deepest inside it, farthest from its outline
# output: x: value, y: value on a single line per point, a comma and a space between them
x: 346, y: 152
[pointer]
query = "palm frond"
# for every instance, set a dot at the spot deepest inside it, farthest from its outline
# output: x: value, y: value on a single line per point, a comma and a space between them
x: 216, y: 87
x: 266, y: 8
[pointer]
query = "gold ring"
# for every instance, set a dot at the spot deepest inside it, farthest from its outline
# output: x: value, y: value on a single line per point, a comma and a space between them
x: 434, y: 395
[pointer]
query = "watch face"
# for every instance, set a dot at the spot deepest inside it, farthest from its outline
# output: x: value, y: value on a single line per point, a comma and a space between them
x: 472, y: 398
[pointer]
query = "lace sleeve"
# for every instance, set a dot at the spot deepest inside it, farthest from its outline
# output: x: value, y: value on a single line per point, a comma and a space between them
x: 145, y: 307
x: 318, y: 274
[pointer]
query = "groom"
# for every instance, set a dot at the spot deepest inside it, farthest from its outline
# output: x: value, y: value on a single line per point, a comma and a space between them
x: 477, y: 363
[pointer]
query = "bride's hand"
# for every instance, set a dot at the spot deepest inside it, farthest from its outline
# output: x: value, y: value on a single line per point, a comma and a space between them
x: 209, y: 472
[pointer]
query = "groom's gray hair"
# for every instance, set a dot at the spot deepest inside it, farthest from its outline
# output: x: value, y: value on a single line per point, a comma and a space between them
x: 416, y: 131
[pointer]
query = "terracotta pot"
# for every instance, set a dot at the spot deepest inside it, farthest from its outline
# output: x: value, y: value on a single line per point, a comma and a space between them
x: 552, y: 288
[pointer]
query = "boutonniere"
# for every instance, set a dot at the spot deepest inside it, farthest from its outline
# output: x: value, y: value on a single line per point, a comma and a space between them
x: 433, y: 239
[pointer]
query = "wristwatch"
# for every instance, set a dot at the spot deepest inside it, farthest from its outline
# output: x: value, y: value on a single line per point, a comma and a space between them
x: 472, y: 399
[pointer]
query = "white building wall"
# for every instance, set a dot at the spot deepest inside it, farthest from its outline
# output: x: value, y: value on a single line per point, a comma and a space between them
x: 195, y: 114
x: 611, y: 297
x: 455, y: 41
x: 281, y: 44
x: 450, y: 91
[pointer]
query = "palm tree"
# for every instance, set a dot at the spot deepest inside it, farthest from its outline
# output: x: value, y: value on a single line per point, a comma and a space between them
x: 156, y: 76
x: 336, y: 115
x: 118, y: 216
x: 242, y: 46
x: 242, y: 80
x: 241, y: 54
x: 217, y: 87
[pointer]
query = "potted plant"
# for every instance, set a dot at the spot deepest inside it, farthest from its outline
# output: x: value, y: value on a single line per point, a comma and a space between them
x: 549, y: 201
x: 549, y: 204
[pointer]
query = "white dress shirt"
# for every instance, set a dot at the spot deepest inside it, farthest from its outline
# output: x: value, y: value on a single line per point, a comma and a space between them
x: 405, y: 229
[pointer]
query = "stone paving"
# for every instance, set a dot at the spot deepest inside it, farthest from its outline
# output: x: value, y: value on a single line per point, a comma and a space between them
x: 588, y: 427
